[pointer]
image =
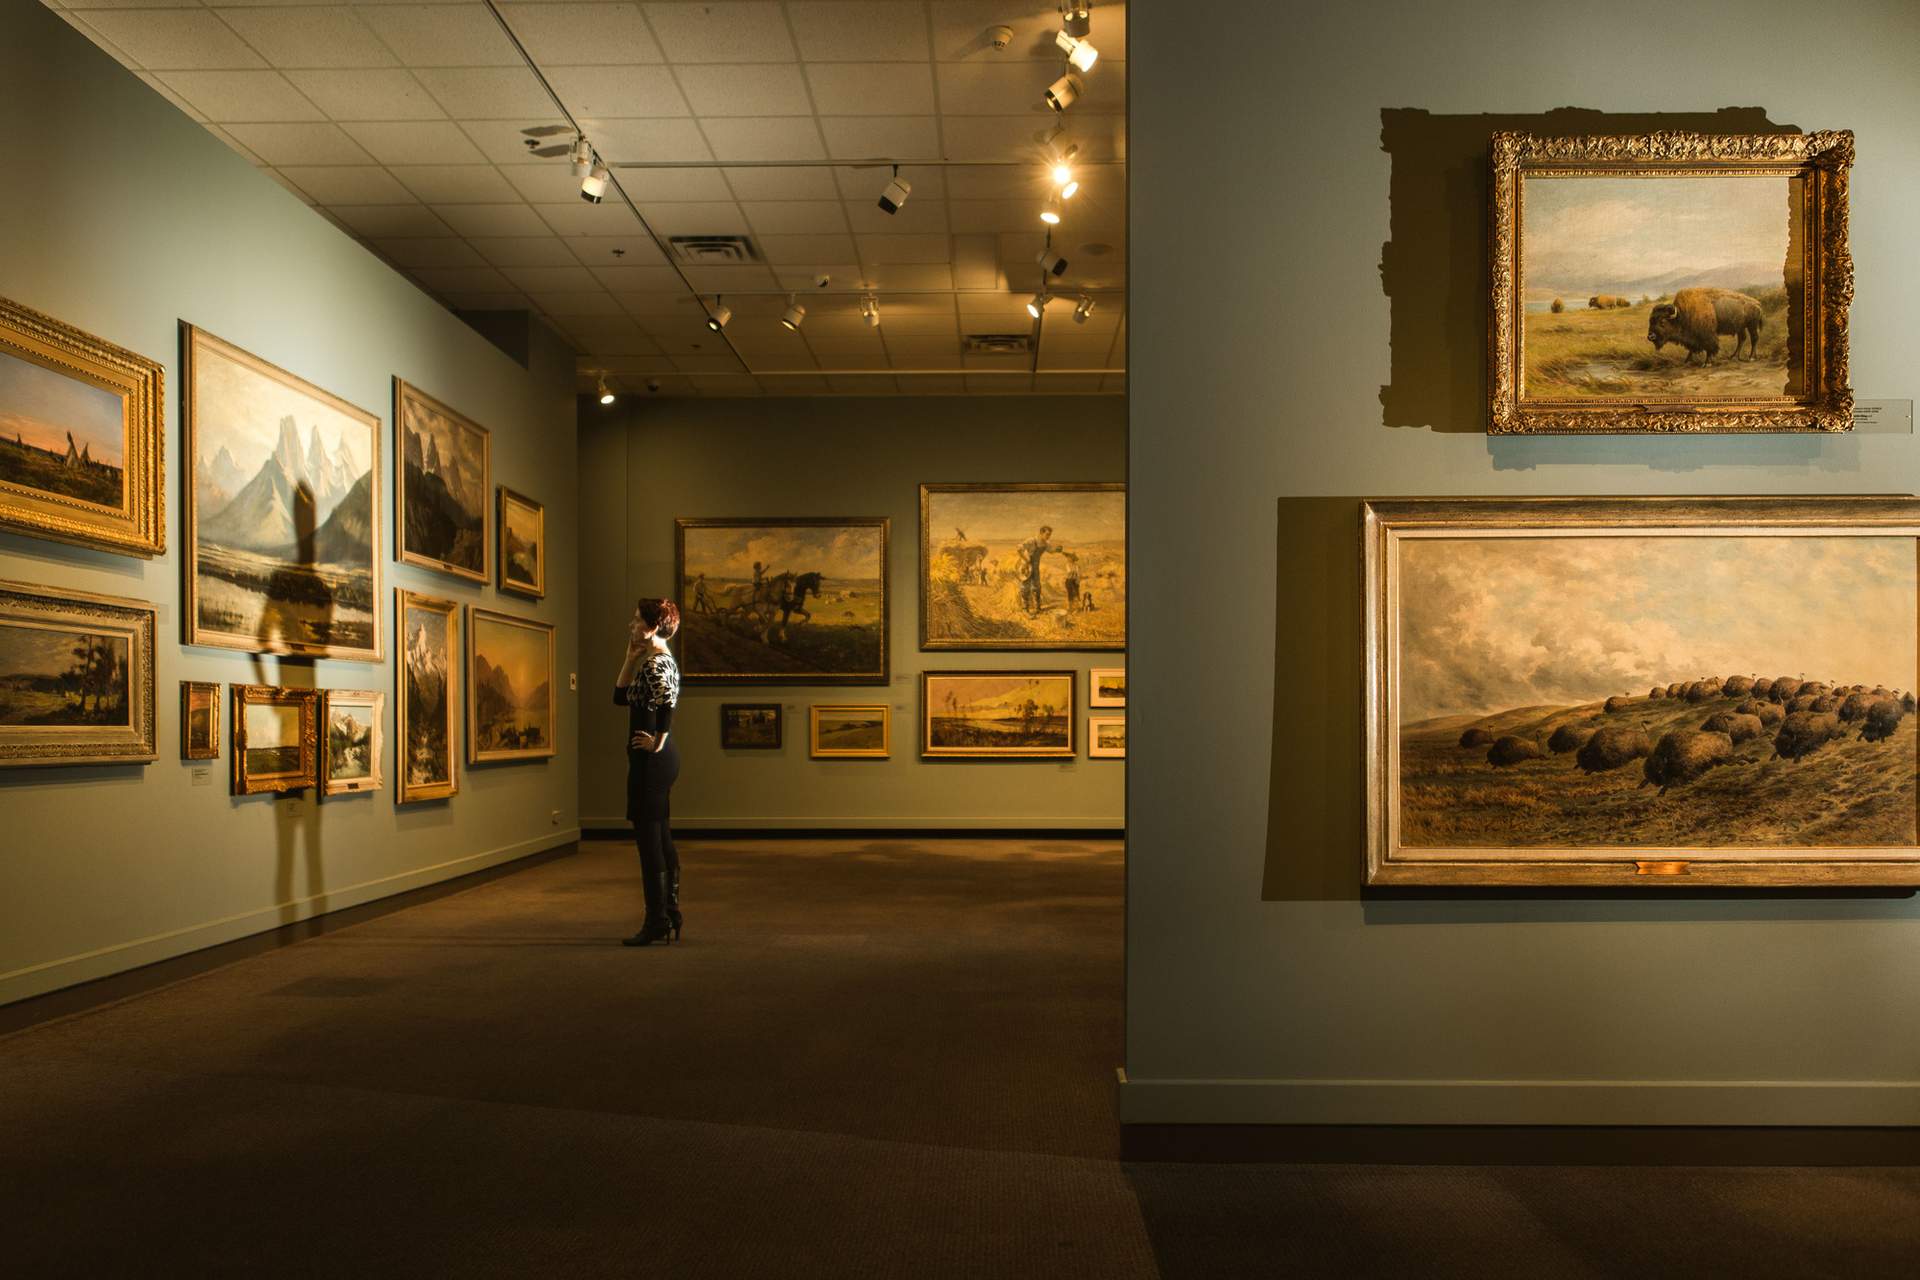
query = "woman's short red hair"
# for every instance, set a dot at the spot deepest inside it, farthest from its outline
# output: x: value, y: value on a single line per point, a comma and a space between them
x: 660, y: 614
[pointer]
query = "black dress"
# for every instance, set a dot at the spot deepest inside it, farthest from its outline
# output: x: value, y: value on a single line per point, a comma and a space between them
x: 650, y: 701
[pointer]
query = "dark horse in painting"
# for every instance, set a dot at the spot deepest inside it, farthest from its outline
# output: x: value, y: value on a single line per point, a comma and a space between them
x: 788, y: 593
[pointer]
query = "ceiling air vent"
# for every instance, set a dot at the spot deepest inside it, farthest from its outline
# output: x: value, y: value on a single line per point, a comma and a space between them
x: 999, y: 344
x: 714, y: 251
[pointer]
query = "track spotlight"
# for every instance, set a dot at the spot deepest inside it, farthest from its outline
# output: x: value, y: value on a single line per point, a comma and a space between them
x: 1081, y: 54
x: 1050, y: 211
x: 1076, y: 19
x: 1038, y: 303
x: 1062, y: 93
x: 1082, y: 309
x: 1050, y: 262
x: 896, y: 193
x: 593, y: 187
x: 718, y: 317
x: 793, y: 316
x: 1062, y: 171
x: 581, y: 157
x: 870, y: 310
x: 606, y: 392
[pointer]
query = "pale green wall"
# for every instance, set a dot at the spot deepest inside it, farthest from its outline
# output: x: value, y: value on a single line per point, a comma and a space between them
x: 121, y: 216
x: 1262, y: 985
x: 645, y: 462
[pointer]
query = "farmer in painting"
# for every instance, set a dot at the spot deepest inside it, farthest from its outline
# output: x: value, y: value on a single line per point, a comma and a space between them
x: 1031, y: 552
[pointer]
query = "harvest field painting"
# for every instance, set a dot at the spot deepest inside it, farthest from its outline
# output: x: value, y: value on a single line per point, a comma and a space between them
x: 60, y: 435
x: 783, y: 601
x: 1010, y: 714
x: 1656, y: 692
x: 273, y: 738
x: 1659, y: 287
x: 1023, y: 566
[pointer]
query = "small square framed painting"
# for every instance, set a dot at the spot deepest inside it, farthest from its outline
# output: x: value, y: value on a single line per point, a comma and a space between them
x: 1106, y: 737
x: 750, y: 726
x: 199, y: 720
x: 522, y: 553
x: 850, y: 731
x: 76, y: 677
x: 276, y: 734
x: 351, y: 740
x: 1107, y: 687
x: 1670, y: 282
x: 997, y: 715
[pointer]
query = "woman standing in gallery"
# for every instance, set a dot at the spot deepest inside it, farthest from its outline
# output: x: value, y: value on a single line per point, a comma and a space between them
x: 649, y: 687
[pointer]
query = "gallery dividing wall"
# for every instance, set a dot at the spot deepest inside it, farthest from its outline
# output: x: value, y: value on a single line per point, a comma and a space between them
x: 645, y: 462
x: 1344, y: 359
x: 123, y: 217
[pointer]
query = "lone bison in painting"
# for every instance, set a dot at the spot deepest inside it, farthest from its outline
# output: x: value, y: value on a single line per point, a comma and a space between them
x: 1512, y: 750
x: 1610, y: 748
x: 1685, y: 754
x: 1883, y: 717
x: 1697, y: 318
x: 1476, y: 738
x: 1804, y: 732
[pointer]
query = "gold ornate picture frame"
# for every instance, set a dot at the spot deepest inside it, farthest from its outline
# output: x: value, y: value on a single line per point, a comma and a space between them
x: 76, y: 677
x: 199, y: 720
x: 442, y: 485
x: 275, y: 739
x: 426, y: 697
x: 513, y: 710
x: 520, y: 544
x: 1669, y: 282
x: 352, y: 741
x: 103, y: 488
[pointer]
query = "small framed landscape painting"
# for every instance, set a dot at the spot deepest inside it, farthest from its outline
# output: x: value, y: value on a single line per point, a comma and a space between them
x: 283, y: 500
x: 1006, y: 715
x: 842, y: 731
x: 76, y: 677
x: 428, y: 693
x: 1106, y: 737
x: 750, y: 726
x: 1670, y: 282
x: 199, y: 720
x: 510, y: 700
x: 1642, y: 691
x: 80, y: 437
x: 1023, y: 566
x: 779, y: 601
x: 522, y: 524
x: 1107, y: 687
x: 351, y: 741
x: 442, y: 483
x: 275, y: 739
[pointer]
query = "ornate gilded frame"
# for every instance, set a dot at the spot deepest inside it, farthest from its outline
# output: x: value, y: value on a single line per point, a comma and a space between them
x: 817, y: 752
x: 56, y: 608
x: 1385, y: 524
x: 376, y: 704
x: 404, y: 602
x: 404, y: 395
x: 210, y: 690
x: 1072, y: 712
x: 307, y: 773
x: 537, y: 590
x: 139, y: 526
x: 496, y: 755
x: 1822, y: 159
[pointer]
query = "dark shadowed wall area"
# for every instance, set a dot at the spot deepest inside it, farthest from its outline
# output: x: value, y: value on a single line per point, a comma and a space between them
x: 645, y: 462
x: 1339, y: 354
x: 123, y: 217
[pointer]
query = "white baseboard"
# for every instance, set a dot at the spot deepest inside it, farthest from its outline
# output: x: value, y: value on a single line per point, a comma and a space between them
x: 67, y: 971
x: 916, y: 823
x: 1521, y: 1102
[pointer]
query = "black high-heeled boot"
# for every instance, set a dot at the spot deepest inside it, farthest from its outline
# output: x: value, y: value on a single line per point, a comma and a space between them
x: 657, y: 928
x: 674, y: 917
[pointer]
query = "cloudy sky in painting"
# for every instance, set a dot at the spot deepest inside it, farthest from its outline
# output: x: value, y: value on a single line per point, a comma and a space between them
x: 838, y: 552
x: 1083, y: 517
x: 1601, y: 234
x: 239, y: 408
x: 1493, y: 623
x: 41, y: 407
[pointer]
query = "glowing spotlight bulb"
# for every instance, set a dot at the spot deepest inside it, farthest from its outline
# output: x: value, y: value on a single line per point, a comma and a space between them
x: 1038, y: 303
x: 1081, y: 54
x: 606, y: 393
x: 1050, y: 211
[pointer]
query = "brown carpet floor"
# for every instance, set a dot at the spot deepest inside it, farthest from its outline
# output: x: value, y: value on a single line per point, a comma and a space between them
x: 881, y: 1058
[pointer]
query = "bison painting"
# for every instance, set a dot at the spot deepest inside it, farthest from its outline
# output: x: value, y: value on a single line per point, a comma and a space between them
x: 1697, y: 319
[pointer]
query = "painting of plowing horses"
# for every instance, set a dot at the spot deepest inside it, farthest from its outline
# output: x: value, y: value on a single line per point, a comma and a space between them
x: 801, y: 601
x: 1704, y: 698
x: 1023, y: 566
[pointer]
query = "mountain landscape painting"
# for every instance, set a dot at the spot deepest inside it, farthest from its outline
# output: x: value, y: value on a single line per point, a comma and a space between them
x: 350, y: 744
x: 444, y: 485
x: 1660, y: 287
x: 1005, y: 714
x: 510, y: 704
x: 281, y: 506
x: 1023, y: 566
x: 428, y: 678
x: 523, y: 544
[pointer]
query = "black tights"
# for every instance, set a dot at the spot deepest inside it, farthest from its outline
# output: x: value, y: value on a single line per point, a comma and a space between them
x: 658, y: 857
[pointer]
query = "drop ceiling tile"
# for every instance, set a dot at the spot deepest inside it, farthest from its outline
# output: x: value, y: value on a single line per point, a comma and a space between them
x: 489, y: 93
x: 575, y: 279
x: 618, y: 91
x: 609, y: 335
x: 721, y: 32
x: 229, y: 96
x: 643, y: 141
x: 1063, y: 384
x: 299, y: 144
x: 723, y: 279
x: 482, y: 300
x: 844, y: 275
x: 795, y: 217
x: 480, y: 220
x: 436, y: 251
x: 783, y: 184
x: 547, y: 183
x: 871, y: 88
x: 659, y: 294
x: 777, y: 384
x: 173, y: 39
x: 1004, y: 138
x: 764, y: 138
x: 959, y: 27
x: 481, y: 279
x: 309, y: 36
x: 838, y: 334
x: 1002, y: 88
x: 934, y: 385
x: 783, y: 361
x: 922, y: 353
x: 303, y: 197
x: 870, y: 30
x: 764, y: 335
x: 913, y: 328
x: 730, y: 385
x: 583, y: 219
x: 559, y: 35
x: 577, y: 303
x: 525, y: 251
x: 233, y: 144
x: 869, y: 137
x: 886, y: 249
x: 865, y: 182
x: 695, y: 218
x: 792, y: 251
x: 637, y: 250
x: 153, y: 82
x: 915, y: 217
x: 367, y: 95
x: 992, y: 217
x: 706, y: 364
x: 997, y: 309
x: 443, y: 35
x: 647, y: 186
x: 1010, y: 384
x: 638, y: 364
x: 682, y: 336
x: 766, y: 89
x: 378, y: 221
x: 1002, y: 182
x: 348, y: 184
x: 457, y: 183
x: 416, y: 142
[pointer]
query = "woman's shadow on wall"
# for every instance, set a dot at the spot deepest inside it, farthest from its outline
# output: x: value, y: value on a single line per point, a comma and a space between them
x: 1434, y: 269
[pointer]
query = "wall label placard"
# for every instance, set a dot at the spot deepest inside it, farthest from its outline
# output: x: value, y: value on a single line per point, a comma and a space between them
x: 1891, y: 416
